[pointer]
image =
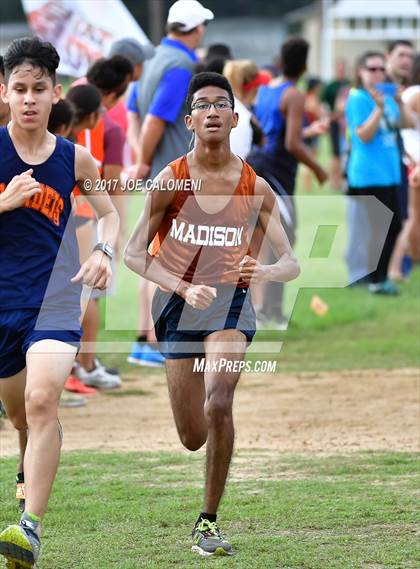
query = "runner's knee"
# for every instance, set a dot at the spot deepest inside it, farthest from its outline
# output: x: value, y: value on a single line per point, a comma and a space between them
x: 218, y: 407
x: 193, y: 441
x: 41, y: 404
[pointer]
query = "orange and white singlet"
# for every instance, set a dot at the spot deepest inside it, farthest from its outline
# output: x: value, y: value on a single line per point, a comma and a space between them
x: 201, y: 247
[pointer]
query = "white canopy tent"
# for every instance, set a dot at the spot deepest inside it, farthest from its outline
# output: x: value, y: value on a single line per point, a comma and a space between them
x: 361, y: 20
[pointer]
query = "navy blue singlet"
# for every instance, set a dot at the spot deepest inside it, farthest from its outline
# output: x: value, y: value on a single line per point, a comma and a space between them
x: 38, y: 247
x: 274, y: 158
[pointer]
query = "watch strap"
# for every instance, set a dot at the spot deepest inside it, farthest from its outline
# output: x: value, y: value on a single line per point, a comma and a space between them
x: 105, y: 248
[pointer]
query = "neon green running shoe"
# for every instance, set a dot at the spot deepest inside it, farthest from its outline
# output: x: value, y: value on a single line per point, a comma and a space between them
x: 208, y: 541
x: 20, y: 546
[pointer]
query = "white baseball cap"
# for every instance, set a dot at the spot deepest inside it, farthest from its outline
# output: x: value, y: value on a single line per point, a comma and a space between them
x: 190, y: 13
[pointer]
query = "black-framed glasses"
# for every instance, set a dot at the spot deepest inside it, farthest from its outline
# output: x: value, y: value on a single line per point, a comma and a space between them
x: 203, y: 106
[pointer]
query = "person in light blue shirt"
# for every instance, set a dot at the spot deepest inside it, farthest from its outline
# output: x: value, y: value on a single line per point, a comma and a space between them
x: 374, y: 168
x: 374, y: 162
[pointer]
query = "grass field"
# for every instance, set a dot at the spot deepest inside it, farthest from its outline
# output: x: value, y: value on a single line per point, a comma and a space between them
x: 128, y: 511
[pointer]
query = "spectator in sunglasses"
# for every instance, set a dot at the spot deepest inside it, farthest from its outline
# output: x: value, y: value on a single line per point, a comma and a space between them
x: 374, y: 170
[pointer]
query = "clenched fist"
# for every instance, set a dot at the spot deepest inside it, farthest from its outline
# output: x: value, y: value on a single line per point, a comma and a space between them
x: 200, y: 296
x: 250, y: 268
x: 19, y: 189
x: 95, y: 272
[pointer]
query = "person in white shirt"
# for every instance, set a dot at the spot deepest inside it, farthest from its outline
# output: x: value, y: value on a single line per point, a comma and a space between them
x: 245, y: 78
x: 409, y: 238
x: 411, y: 139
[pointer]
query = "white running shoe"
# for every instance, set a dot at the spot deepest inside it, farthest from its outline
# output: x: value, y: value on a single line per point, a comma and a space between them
x: 98, y: 377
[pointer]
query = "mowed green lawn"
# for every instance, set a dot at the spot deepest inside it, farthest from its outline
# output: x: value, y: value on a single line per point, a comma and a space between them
x: 128, y: 511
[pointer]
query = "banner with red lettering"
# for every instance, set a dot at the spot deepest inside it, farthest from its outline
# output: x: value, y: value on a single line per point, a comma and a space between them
x: 81, y: 30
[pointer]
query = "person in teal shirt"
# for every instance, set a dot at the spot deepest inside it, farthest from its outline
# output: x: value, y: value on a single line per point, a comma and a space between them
x: 374, y: 166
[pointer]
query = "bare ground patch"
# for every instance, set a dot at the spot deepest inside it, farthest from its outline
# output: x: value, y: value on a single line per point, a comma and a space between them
x: 322, y: 413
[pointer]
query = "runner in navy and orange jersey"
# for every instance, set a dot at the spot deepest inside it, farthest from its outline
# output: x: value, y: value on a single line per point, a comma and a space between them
x: 40, y: 277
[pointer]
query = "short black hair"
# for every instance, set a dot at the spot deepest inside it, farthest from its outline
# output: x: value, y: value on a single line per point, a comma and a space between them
x: 216, y: 57
x: 216, y: 65
x: 1, y: 65
x: 111, y: 75
x: 312, y: 83
x: 293, y: 54
x: 62, y: 114
x: 219, y: 50
x: 208, y: 79
x: 396, y: 43
x: 86, y: 100
x: 34, y: 51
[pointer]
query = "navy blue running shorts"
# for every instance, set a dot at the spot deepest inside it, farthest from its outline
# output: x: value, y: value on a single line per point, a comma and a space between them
x: 21, y: 328
x: 181, y: 329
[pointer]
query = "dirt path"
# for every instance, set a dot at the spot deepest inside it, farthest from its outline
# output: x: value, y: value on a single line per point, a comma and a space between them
x: 322, y: 413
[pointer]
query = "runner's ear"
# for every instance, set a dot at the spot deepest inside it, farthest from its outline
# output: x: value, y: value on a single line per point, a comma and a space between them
x: 3, y: 93
x: 235, y: 120
x: 189, y: 122
x: 57, y: 93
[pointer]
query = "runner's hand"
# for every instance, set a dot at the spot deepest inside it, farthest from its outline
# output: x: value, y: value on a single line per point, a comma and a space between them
x: 19, y: 189
x: 200, y: 296
x: 251, y: 269
x: 95, y: 272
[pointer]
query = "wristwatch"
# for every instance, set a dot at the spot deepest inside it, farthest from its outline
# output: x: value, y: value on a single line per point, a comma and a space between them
x: 105, y: 248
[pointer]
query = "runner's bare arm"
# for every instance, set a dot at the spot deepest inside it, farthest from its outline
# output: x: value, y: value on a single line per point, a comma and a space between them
x: 133, y: 132
x: 293, y: 106
x: 287, y: 267
x: 96, y: 270
x: 88, y: 178
x: 151, y: 133
x: 138, y: 258
x: 112, y: 173
x: 136, y: 255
